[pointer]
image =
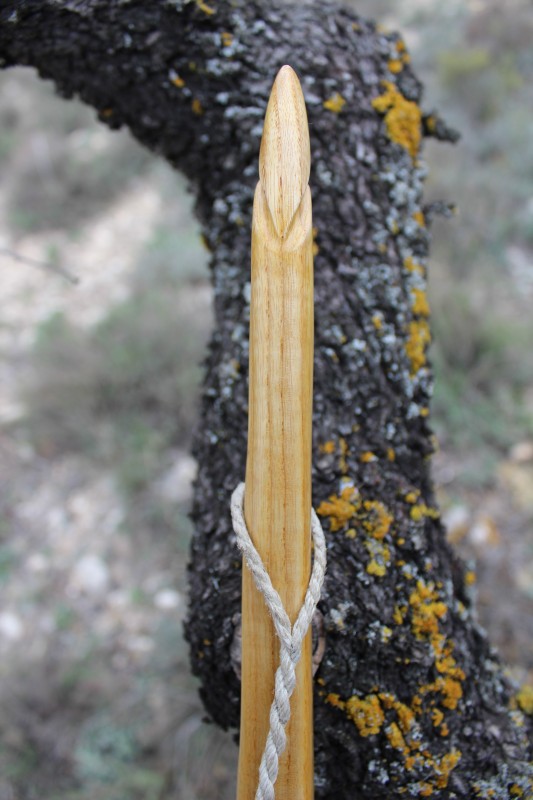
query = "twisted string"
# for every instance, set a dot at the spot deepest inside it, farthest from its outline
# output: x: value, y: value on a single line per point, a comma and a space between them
x: 291, y: 637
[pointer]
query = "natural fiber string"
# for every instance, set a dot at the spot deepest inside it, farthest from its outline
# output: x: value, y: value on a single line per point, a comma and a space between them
x: 291, y: 637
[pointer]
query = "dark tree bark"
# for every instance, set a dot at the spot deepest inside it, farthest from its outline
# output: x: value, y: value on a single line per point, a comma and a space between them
x: 410, y: 699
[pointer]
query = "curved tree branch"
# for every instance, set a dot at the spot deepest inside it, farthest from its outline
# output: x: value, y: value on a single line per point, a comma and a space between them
x: 410, y: 699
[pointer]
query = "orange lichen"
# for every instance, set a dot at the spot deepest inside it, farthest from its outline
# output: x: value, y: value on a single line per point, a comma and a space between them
x: 366, y: 713
x: 402, y: 118
x: 197, y: 107
x: 391, y: 455
x: 328, y: 447
x: 395, y: 737
x: 447, y: 763
x: 419, y: 217
x: 420, y: 302
x: 419, y: 337
x: 412, y: 497
x: 227, y: 38
x: 367, y: 456
x: 395, y: 65
x: 426, y: 612
x: 377, y: 321
x: 370, y: 714
x: 437, y: 716
x: 380, y: 519
x: 177, y: 81
x: 335, y: 103
x: 374, y: 568
x: 334, y: 700
x: 406, y: 716
x: 340, y: 509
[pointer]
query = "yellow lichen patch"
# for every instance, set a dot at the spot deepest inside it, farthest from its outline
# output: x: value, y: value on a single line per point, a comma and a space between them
x: 395, y: 737
x: 398, y: 614
x: 334, y: 700
x: 177, y: 81
x: 395, y: 65
x: 516, y: 791
x: 328, y: 447
x: 470, y: 577
x: 340, y: 509
x: 412, y: 497
x: 379, y: 557
x: 419, y: 337
x: 419, y: 217
x: 391, y: 455
x: 386, y: 634
x: 350, y: 533
x: 420, y: 304
x: 335, y: 103
x: 374, y: 568
x: 227, y: 38
x: 367, y: 457
x: 366, y: 713
x: 205, y: 8
x: 443, y: 768
x: 402, y: 118
x: 197, y: 107
x: 411, y: 265
x: 406, y: 716
x: 421, y: 510
x: 426, y: 612
x: 524, y: 698
x: 437, y: 716
x: 377, y: 321
x: 378, y: 525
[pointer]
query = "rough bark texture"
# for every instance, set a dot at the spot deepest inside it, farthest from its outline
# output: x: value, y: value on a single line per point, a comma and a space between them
x: 410, y: 699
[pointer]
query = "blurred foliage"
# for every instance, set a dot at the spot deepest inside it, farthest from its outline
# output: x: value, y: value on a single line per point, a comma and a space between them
x: 125, y: 389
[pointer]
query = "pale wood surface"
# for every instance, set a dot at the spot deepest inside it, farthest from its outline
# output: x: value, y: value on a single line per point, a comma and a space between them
x: 278, y: 469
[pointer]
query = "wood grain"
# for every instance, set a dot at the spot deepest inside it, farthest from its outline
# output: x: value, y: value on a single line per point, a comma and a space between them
x: 278, y: 469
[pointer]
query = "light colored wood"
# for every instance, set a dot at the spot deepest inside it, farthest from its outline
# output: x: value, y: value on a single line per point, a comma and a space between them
x: 278, y: 470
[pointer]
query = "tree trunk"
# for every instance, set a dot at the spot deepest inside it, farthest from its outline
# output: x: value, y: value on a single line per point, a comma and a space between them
x: 410, y: 699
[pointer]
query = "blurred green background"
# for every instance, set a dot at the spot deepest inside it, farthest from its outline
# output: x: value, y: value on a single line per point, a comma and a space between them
x: 99, y: 389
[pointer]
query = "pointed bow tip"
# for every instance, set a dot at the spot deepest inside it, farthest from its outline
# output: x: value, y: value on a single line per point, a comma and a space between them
x: 285, y: 157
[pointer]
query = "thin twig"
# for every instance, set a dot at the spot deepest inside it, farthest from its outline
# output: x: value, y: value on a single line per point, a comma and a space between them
x: 46, y: 265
